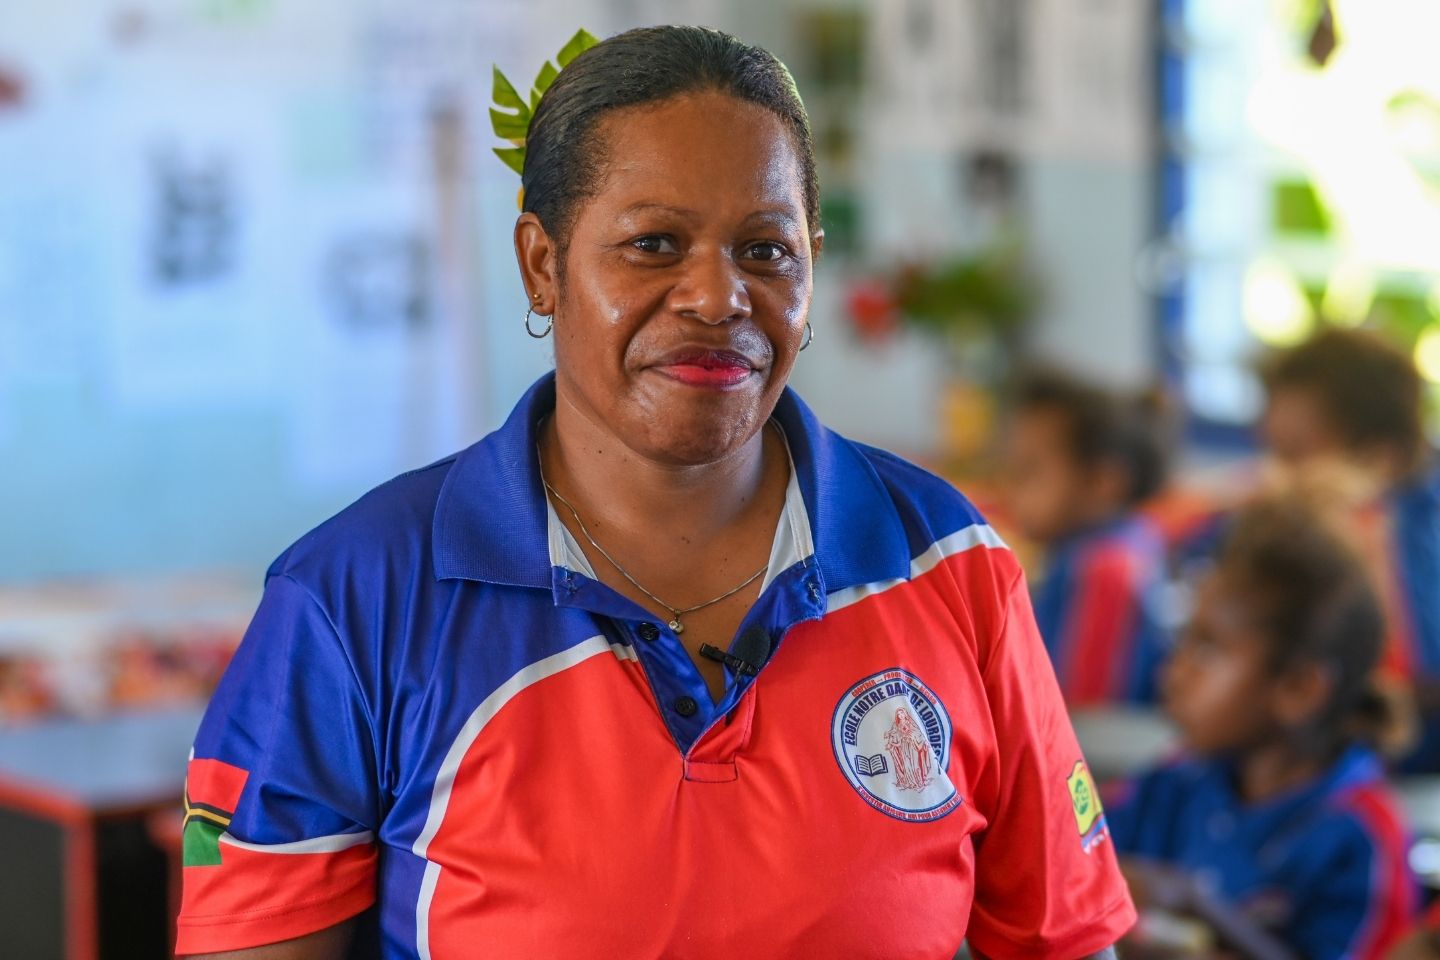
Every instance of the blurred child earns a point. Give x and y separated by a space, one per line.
1346 404
1424 942
1424 945
1077 462
1280 811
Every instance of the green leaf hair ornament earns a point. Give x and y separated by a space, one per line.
511 121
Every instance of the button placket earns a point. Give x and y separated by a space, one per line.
713 758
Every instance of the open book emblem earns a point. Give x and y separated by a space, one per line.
871 766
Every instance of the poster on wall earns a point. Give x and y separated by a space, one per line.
193 308
362 399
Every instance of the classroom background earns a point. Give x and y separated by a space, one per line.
255 259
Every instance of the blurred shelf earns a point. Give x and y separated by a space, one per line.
84 878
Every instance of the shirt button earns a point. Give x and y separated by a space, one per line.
686 706
648 632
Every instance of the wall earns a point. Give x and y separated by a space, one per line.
204 413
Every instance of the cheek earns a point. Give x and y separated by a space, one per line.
593 323
781 311
1228 699
1196 684
1218 691
1294 430
1036 501
1052 491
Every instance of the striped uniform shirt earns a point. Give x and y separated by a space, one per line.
1324 866
439 717
1098 609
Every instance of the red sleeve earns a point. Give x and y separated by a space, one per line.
1047 882
281 797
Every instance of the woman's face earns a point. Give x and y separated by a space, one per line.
686 284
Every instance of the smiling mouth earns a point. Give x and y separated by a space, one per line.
711 369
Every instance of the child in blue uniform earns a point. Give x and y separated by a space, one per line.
1280 812
1347 400
1078 462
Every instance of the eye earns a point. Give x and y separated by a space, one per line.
655 243
766 251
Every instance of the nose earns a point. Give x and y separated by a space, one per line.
711 288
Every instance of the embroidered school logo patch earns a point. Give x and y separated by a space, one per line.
891 736
1089 815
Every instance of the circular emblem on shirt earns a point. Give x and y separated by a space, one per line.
891 736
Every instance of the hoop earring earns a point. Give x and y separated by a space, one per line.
530 330
528 312
809 336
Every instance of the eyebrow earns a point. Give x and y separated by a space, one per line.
651 207
774 217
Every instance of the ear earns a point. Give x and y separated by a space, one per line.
536 254
817 243
1301 693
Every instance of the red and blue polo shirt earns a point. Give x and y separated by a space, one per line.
440 717
1324 866
1098 606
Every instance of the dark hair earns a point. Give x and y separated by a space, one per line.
1311 596
1102 426
1368 389
564 158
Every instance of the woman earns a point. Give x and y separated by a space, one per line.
617 680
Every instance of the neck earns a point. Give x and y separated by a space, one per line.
1270 770
627 495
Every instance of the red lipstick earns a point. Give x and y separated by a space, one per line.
712 369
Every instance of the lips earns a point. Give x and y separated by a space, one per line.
713 369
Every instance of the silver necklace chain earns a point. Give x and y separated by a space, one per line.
675 612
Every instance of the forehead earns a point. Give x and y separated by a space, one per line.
1041 426
706 152
1298 412
1296 399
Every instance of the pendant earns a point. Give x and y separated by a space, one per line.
676 625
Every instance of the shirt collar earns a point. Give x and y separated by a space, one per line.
792 544
492 518
1357 766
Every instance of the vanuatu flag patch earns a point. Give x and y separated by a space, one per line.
1089 815
212 790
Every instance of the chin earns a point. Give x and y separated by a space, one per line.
696 447
692 427
705 435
